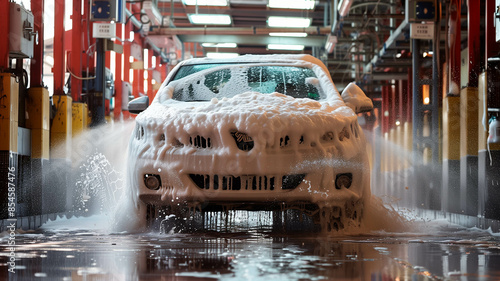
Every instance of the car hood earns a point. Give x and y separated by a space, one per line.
266 118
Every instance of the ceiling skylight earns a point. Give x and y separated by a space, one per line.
285 47
288 22
292 4
205 2
209 19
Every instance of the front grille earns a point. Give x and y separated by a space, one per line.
286 141
249 182
200 142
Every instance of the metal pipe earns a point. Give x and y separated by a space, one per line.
134 20
370 4
138 24
156 49
237 30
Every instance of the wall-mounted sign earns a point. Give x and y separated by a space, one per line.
104 30
422 31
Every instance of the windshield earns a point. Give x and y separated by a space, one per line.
230 80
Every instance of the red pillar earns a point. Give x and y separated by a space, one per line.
409 97
474 42
76 51
37 60
385 109
59 68
150 74
455 48
4 29
402 96
136 83
396 102
88 63
118 76
126 53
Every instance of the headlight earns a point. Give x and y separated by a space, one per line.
343 180
152 182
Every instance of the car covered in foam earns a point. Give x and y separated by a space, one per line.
256 132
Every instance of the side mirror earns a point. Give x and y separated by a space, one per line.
138 105
356 99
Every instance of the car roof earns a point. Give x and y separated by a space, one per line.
253 58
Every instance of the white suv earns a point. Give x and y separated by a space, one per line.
255 132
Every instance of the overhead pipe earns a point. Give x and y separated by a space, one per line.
156 49
138 24
360 5
238 30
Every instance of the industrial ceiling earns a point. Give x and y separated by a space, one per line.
370 39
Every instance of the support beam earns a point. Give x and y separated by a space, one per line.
455 47
4 29
117 111
37 60
59 68
318 41
76 51
473 40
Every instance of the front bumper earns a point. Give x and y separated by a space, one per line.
204 179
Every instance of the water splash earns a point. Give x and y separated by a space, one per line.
99 186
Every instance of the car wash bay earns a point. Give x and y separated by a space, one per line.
430 67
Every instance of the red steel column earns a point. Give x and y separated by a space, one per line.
88 63
409 97
4 29
37 60
385 109
136 83
454 45
402 98
150 74
118 76
126 53
474 42
76 51
59 56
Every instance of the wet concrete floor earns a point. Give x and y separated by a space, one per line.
78 250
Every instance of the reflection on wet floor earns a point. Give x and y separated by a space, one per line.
254 253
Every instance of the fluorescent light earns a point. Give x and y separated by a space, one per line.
288 34
219 45
285 47
292 4
209 19
222 55
288 22
205 2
